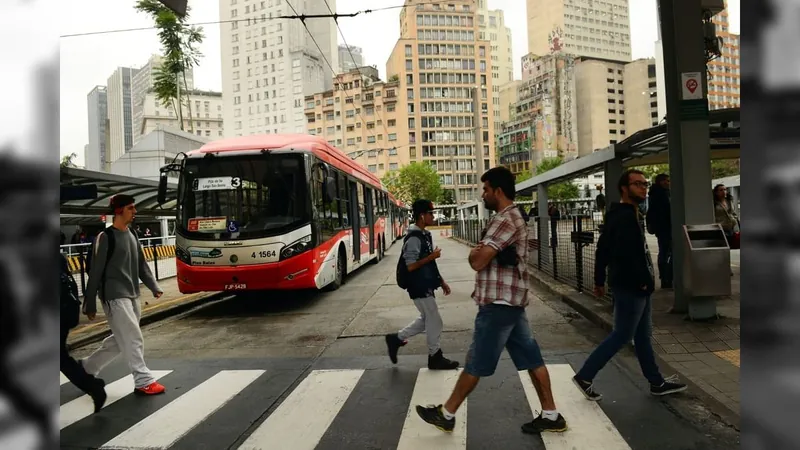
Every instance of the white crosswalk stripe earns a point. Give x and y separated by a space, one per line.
305 415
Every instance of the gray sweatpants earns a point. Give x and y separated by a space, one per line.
429 322
123 316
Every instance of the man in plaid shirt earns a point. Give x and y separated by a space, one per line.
501 292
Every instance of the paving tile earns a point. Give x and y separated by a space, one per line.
706 356
726 333
733 377
726 387
695 365
668 358
680 357
735 395
658 349
716 346
732 356
685 338
660 331
665 339
674 348
704 335
695 347
733 343
699 372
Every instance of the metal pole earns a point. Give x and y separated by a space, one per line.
687 127
455 179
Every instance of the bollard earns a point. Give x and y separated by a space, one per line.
578 226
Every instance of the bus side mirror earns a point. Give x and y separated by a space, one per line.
162 187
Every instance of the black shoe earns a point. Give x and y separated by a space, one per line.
669 386
540 425
434 416
588 389
437 361
394 343
98 395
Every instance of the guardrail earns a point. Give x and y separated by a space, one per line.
158 251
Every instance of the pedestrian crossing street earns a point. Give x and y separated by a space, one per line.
263 408
324 405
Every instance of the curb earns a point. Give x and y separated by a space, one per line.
582 303
147 319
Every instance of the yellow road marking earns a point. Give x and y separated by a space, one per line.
732 356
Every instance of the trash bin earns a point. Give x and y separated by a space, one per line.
706 269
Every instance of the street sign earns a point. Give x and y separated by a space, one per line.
691 86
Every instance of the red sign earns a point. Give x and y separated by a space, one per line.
691 85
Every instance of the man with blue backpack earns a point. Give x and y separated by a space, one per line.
419 275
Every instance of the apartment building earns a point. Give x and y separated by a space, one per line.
270 66
597 29
439 62
640 88
120 113
206 119
361 116
492 28
142 84
350 57
724 77
600 93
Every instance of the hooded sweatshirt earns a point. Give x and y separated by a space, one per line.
623 249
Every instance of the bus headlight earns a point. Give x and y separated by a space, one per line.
296 247
183 256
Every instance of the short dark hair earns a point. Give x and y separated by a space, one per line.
661 177
502 178
625 178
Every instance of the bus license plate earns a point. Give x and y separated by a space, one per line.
234 287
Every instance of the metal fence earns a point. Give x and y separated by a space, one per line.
159 252
570 256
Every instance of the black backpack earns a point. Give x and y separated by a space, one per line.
402 273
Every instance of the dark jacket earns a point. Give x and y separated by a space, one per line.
426 279
659 214
623 249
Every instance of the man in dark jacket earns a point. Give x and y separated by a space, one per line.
659 223
623 248
423 279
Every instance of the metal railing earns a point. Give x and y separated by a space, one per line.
568 257
159 253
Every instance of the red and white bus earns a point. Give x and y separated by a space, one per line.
277 212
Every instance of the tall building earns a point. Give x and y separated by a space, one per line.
270 66
586 28
361 116
143 84
509 95
438 61
206 119
493 28
724 77
120 113
544 123
599 88
641 95
350 57
95 157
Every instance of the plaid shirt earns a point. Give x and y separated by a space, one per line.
506 285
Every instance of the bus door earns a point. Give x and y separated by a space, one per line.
354 214
370 207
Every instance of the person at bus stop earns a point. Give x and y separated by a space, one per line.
115 279
424 278
501 293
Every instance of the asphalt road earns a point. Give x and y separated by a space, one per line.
310 371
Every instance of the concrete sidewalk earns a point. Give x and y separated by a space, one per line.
170 303
704 354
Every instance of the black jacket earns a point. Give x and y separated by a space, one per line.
623 249
659 214
427 278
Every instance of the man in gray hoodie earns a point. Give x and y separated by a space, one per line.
115 276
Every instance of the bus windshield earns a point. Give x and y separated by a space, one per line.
243 197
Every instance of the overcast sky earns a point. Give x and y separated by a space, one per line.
88 61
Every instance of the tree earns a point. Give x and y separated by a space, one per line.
525 175
414 181
67 160
179 43
394 78
566 190
720 168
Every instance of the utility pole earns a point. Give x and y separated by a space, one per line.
476 106
455 180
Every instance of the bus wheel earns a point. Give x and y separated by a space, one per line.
341 269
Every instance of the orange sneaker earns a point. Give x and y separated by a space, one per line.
153 388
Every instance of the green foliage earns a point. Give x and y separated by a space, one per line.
67 160
720 168
414 181
566 190
179 46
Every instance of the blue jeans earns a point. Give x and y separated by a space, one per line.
632 319
498 327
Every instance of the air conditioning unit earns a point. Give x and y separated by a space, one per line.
713 6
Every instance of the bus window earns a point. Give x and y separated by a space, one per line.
344 196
